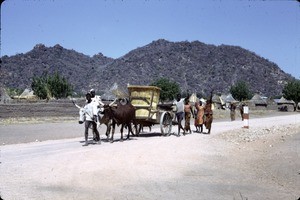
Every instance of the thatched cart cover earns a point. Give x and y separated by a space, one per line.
145 100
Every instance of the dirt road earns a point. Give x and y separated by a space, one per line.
231 163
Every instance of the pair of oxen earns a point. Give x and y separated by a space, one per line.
120 112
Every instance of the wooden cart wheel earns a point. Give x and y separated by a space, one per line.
166 123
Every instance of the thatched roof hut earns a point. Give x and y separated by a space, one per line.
218 101
230 99
257 100
26 94
285 105
193 98
283 100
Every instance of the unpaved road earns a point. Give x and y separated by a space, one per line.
262 162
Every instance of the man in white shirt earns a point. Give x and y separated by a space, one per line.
97 101
179 103
91 112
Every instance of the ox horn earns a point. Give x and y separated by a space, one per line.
76 104
112 102
101 103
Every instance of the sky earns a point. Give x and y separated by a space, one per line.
269 28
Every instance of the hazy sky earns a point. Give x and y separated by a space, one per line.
271 29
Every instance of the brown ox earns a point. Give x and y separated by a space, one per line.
123 114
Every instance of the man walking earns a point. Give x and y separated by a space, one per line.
179 103
90 119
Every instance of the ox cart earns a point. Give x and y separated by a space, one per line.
148 112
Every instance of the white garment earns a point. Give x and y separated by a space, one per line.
90 111
179 105
97 101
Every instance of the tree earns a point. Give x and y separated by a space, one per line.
291 91
39 87
46 87
169 89
240 91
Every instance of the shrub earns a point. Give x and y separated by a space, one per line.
55 86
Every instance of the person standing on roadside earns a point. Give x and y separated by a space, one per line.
241 107
179 103
90 119
232 111
199 119
208 114
188 112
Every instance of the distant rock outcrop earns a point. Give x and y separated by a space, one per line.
195 66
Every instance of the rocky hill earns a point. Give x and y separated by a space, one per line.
196 66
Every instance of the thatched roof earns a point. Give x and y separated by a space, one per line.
193 98
26 94
217 99
283 100
229 99
258 100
